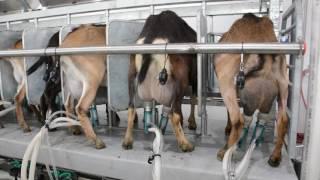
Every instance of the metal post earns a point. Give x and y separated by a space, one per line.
274 15
8 25
204 7
36 22
295 77
68 19
110 113
311 156
201 76
152 10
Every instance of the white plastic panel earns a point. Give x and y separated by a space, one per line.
8 85
120 33
36 39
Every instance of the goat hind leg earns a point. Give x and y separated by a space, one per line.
175 119
37 112
192 120
236 119
128 139
69 105
19 112
282 126
82 108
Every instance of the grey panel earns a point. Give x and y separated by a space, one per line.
11 5
120 33
33 39
8 85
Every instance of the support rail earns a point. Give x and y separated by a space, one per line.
183 48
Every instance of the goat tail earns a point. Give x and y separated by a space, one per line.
36 65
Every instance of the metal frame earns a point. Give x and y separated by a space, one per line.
102 12
295 30
311 158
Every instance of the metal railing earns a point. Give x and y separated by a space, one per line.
183 48
102 12
293 33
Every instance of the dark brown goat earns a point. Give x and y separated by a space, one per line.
166 27
266 79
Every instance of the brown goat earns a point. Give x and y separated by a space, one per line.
266 78
19 75
166 27
83 74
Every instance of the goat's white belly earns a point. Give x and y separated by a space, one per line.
73 79
18 69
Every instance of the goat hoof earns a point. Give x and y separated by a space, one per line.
274 162
75 130
26 129
220 154
127 145
135 121
186 147
99 144
192 124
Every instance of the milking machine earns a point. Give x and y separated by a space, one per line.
231 170
164 119
32 150
151 125
151 115
94 115
155 158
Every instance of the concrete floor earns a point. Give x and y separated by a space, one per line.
76 152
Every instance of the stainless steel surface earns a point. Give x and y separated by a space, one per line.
288 30
311 158
201 76
59 3
96 12
288 12
183 48
274 15
82 8
295 77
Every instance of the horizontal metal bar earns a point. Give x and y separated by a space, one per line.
98 6
95 7
288 30
288 12
182 48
